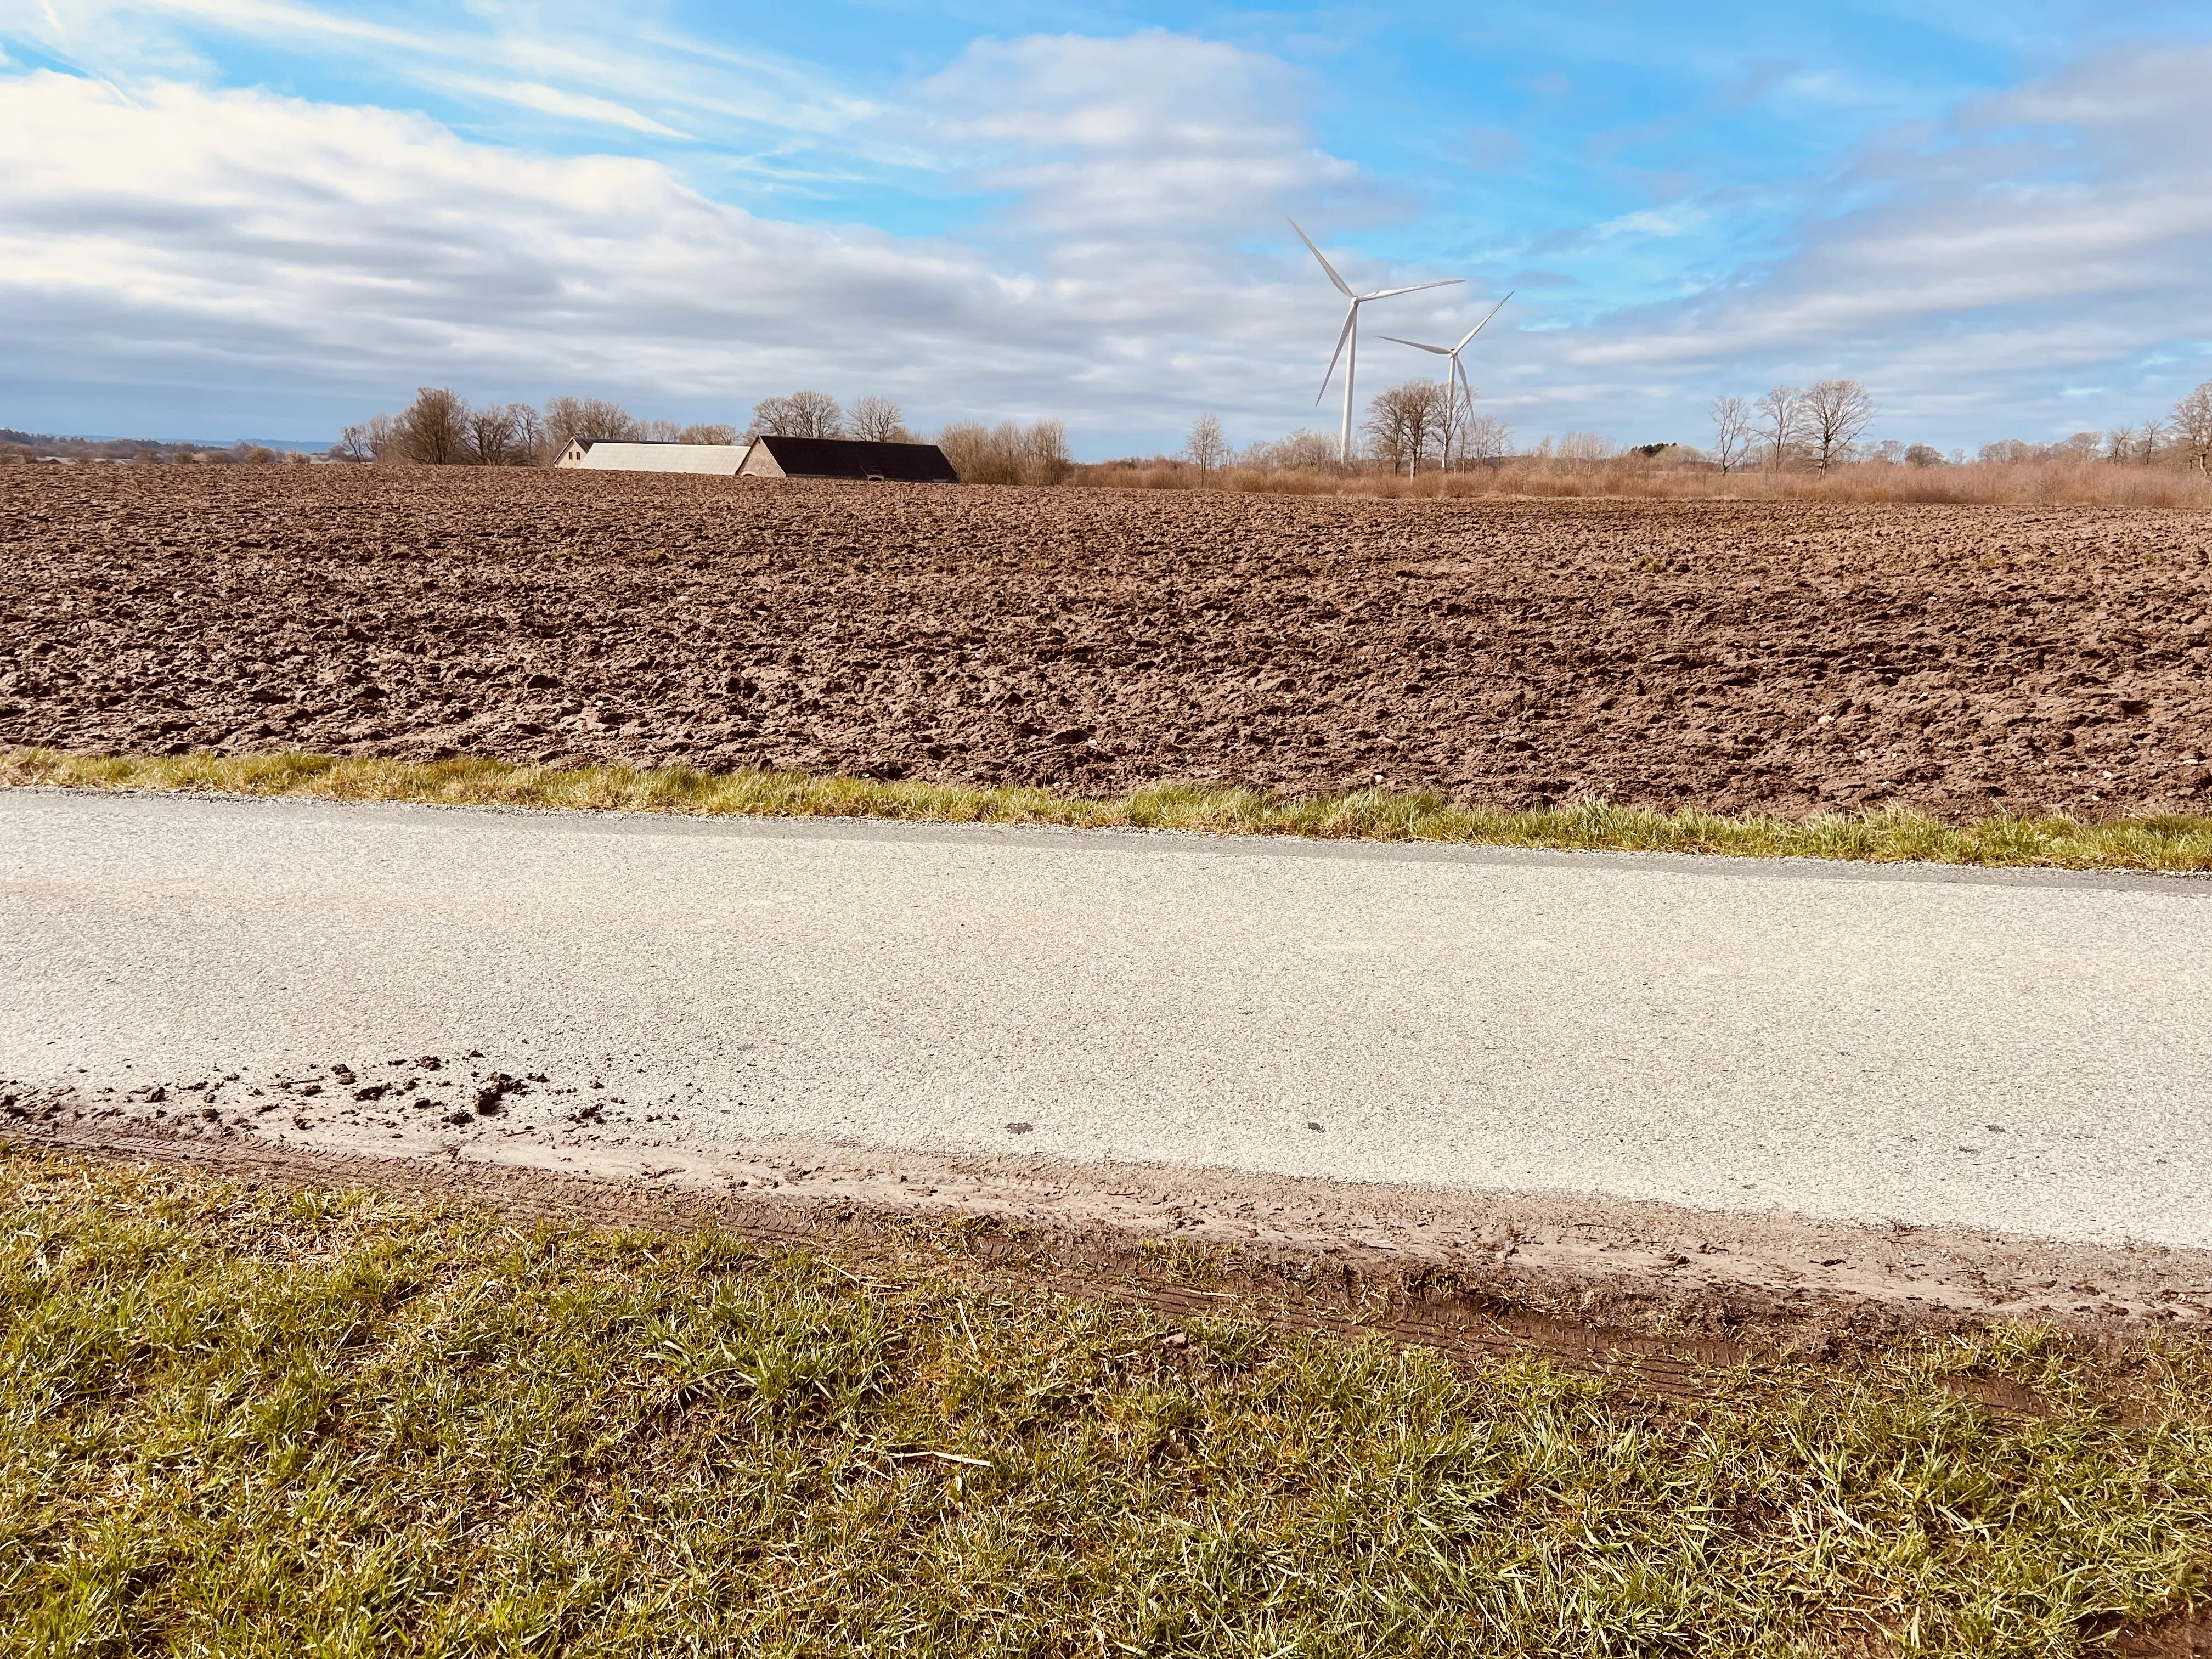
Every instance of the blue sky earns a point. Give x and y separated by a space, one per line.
272 216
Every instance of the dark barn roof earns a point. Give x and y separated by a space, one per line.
848 457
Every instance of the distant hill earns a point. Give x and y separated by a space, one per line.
17 445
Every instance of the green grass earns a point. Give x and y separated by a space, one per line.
2167 843
254 1422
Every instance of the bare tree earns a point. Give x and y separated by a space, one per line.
1406 423
433 429
2149 439
1304 447
376 438
714 432
1207 447
1045 459
2192 427
1923 455
1780 421
529 435
1837 415
568 419
1584 446
1485 438
877 421
1731 432
802 415
1007 454
499 437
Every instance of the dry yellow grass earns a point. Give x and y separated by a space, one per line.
2019 484
2167 843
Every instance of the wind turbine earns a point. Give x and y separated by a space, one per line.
1455 371
1351 332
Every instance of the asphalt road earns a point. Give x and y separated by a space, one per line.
2022 1051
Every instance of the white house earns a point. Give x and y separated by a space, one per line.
623 455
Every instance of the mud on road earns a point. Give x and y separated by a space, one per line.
1777 656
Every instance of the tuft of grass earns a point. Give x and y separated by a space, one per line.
247 1421
1894 834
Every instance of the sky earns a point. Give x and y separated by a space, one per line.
274 217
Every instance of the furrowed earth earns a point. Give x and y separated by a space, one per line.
1736 656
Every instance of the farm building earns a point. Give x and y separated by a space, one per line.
625 455
846 458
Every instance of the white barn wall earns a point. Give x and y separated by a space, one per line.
606 455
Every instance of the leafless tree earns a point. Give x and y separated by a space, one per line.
1406 423
1207 447
1584 446
1485 438
714 432
1837 415
529 434
1007 454
1045 458
433 429
877 421
659 432
376 438
568 419
2191 423
1731 432
503 435
1304 447
1890 451
1779 418
1923 455
802 415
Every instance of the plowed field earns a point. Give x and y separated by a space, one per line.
1732 655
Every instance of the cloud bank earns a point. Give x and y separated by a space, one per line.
180 257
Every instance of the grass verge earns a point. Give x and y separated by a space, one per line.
251 1422
2167 843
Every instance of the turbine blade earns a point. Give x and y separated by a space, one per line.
1350 317
1484 324
1440 351
1342 287
1391 293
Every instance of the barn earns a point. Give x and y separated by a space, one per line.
629 455
846 458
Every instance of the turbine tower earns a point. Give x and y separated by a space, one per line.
1351 332
1455 371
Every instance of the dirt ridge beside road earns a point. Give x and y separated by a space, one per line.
1781 657
1613 1281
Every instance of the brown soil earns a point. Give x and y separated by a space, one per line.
1735 656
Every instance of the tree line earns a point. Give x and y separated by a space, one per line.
1825 424
442 429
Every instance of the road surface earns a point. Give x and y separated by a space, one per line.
2020 1052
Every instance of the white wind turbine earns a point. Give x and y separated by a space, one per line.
1351 332
1455 371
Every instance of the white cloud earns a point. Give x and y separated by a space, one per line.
165 247
1143 140
187 241
2055 232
